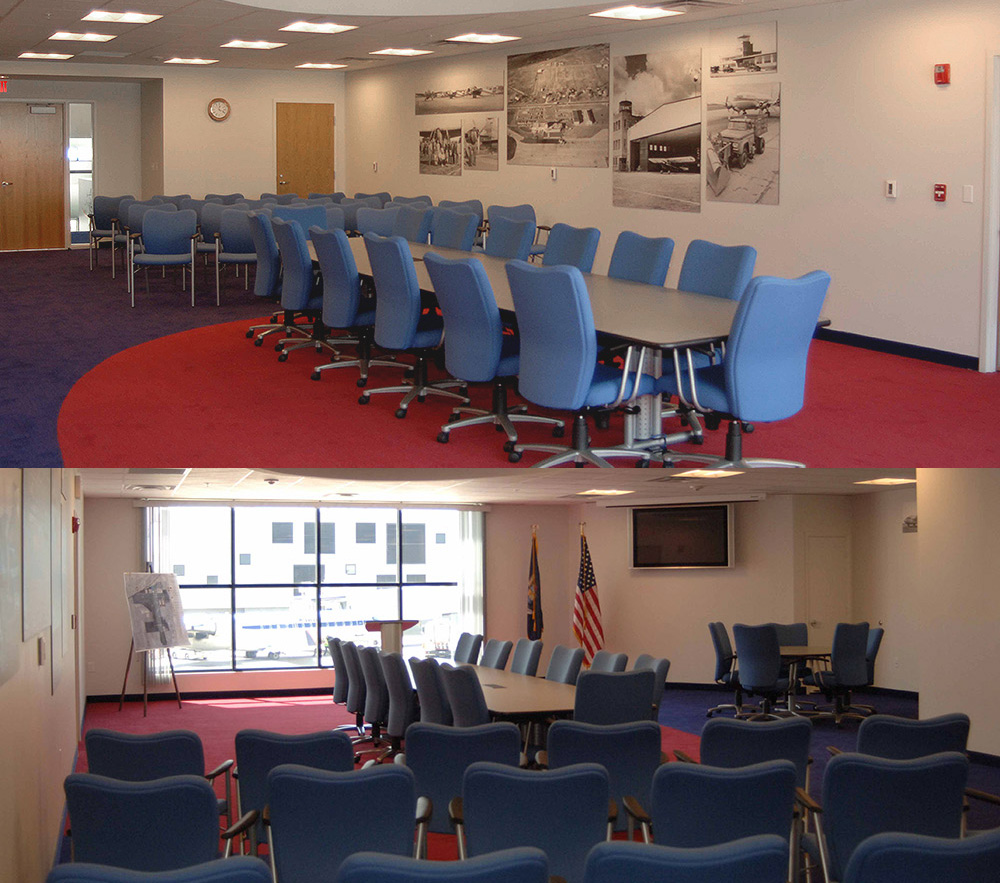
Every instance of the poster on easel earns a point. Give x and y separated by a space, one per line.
156 612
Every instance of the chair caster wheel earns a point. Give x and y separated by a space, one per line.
602 420
443 437
514 456
421 398
249 334
498 427
400 413
315 375
278 347
283 357
362 381
508 446
558 431
258 342
363 400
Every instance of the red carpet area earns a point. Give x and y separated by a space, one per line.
208 397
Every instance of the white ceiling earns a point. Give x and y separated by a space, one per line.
465 486
198 28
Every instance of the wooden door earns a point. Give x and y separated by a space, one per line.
304 148
828 586
32 178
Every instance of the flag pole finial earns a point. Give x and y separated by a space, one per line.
583 524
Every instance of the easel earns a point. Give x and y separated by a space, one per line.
145 685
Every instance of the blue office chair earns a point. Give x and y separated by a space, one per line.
345 305
564 664
641 258
613 697
267 279
429 681
224 198
848 670
465 696
510 239
413 223
402 700
915 858
467 649
605 660
558 367
762 375
301 294
376 712
454 229
718 270
357 689
326 217
234 245
238 869
725 671
573 246
519 865
379 221
350 209
496 653
414 200
759 654
468 206
169 239
334 197
660 667
871 654
476 349
400 324
103 224
763 859
339 670
522 212
383 196
527 654
439 755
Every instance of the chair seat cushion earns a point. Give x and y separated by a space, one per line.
364 318
606 382
94 234
510 360
206 248
710 385
230 257
429 331
159 260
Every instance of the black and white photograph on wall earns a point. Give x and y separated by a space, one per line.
744 143
463 98
557 107
481 143
656 131
155 611
441 150
738 51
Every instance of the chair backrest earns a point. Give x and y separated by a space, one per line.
224 198
556 327
521 865
564 812
413 200
469 206
305 215
697 805
376 689
759 654
377 220
336 196
847 659
605 697
575 246
864 795
341 281
237 869
564 664
605 660
124 824
871 652
350 209
509 238
210 217
397 305
105 210
454 229
402 698
763 859
383 196
527 653
885 735
439 756
913 858
134 757
522 212
724 655
357 691
660 668
318 818
718 270
735 743
413 223
467 649
234 232
197 205
297 280
641 258
434 707
630 752
496 652
168 232
765 363
268 276
138 210
286 198
792 634
465 696
473 330
337 655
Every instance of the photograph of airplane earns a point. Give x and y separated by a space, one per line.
468 99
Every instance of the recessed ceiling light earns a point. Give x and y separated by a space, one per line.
637 13
888 481
82 38
48 56
407 52
251 44
318 27
131 18
599 492
706 473
482 38
191 61
325 66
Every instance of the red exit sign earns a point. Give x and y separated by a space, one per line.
3 85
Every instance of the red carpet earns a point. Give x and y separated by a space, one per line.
208 397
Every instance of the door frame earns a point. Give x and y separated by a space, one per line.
989 316
274 136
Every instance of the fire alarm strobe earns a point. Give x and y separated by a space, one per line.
942 74
940 192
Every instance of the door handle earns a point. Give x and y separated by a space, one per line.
6 183
814 622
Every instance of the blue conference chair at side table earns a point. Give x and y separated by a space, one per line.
300 291
759 657
400 324
558 361
476 349
523 864
572 246
237 869
848 671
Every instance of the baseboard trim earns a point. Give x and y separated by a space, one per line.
170 696
895 348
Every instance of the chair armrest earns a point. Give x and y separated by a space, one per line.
221 768
834 751
664 757
542 759
425 808
400 758
555 878
545 227
244 824
265 816
982 795
635 810
455 810
683 757
612 811
806 802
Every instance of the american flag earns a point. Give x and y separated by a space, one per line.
587 607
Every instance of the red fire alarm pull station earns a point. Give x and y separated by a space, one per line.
940 192
942 74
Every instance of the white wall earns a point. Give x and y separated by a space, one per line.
858 105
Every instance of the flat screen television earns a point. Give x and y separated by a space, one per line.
681 536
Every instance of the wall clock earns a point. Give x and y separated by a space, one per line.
218 109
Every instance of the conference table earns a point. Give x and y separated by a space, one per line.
511 695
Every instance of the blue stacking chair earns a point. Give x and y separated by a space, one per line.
660 668
301 294
762 376
400 324
121 234
327 217
350 209
454 229
103 224
413 223
238 869
379 221
915 858
476 349
527 654
563 812
224 198
613 697
429 681
520 865
169 239
558 367
496 653
510 239
885 735
383 196
335 197
641 258
209 219
413 200
234 245
572 246
762 859
267 279
344 306
605 660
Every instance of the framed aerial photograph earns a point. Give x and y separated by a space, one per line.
155 610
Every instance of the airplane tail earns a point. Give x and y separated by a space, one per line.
716 172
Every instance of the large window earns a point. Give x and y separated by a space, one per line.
266 586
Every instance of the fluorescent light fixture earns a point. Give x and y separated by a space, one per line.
251 44
82 38
637 13
322 66
888 481
405 52
318 27
482 38
706 473
128 18
47 56
603 492
191 61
